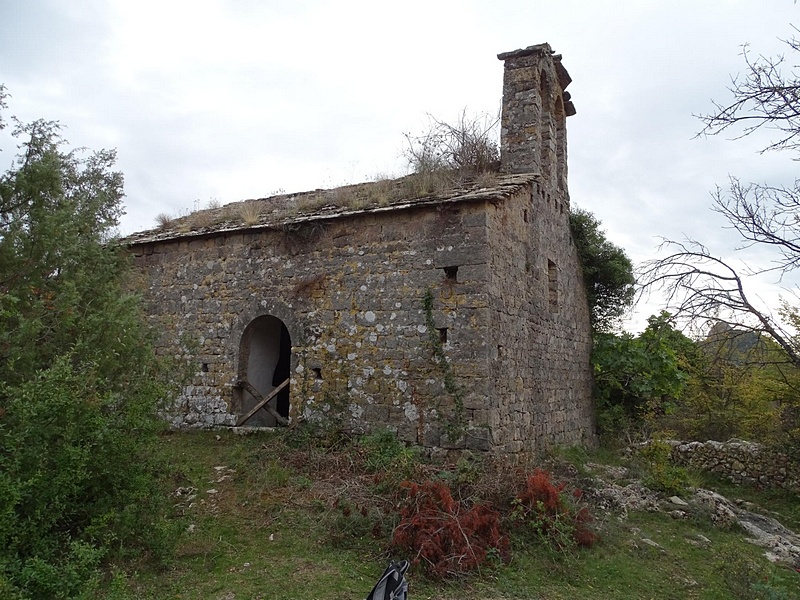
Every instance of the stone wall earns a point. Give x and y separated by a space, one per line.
350 293
540 319
740 462
540 332
508 309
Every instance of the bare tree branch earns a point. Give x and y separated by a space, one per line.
701 287
765 215
764 97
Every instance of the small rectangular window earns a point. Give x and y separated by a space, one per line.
451 274
443 334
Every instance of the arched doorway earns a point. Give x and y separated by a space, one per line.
265 358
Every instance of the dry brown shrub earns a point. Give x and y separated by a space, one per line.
467 147
447 537
163 220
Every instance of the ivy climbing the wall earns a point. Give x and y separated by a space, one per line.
455 426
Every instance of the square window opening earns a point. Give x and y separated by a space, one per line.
451 274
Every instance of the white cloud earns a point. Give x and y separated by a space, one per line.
231 99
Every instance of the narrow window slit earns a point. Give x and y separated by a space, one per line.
442 334
552 283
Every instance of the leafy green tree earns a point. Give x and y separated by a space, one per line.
607 271
742 388
637 377
79 382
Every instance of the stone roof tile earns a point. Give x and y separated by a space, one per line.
317 205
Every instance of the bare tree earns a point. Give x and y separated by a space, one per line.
701 287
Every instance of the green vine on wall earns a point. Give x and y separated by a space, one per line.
454 428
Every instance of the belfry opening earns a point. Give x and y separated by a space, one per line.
265 358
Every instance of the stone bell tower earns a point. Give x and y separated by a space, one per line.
533 135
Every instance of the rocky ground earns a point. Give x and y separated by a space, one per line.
612 489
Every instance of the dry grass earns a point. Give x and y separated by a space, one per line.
203 219
446 158
200 219
383 190
250 212
487 179
315 201
428 183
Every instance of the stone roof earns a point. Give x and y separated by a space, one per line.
286 210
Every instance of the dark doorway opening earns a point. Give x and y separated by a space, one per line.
265 359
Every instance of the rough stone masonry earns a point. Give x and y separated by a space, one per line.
458 319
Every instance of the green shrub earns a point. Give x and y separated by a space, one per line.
80 483
383 452
79 381
638 378
661 474
607 271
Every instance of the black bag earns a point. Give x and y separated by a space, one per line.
393 584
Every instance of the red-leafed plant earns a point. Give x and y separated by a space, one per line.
444 536
545 511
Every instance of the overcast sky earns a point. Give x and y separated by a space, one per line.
227 100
